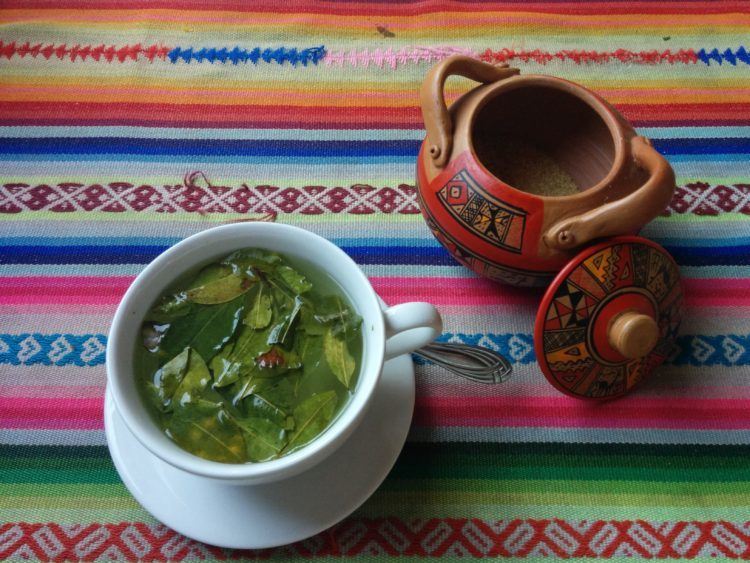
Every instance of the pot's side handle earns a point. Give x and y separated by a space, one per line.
437 120
626 215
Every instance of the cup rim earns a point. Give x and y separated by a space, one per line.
313 452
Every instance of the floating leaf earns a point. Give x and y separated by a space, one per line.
152 334
334 312
169 377
211 436
293 279
224 370
195 381
250 344
263 439
250 259
277 361
220 290
308 321
339 359
244 387
261 406
260 313
311 417
281 392
206 330
209 274
280 331
169 308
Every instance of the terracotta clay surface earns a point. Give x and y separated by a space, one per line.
505 233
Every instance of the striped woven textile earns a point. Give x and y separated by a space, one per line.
127 125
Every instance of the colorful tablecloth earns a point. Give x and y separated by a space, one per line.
127 125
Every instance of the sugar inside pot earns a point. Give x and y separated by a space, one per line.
542 141
523 171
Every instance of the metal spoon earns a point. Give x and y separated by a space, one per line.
471 362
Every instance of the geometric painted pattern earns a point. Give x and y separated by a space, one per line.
89 349
697 198
491 219
364 537
576 353
492 270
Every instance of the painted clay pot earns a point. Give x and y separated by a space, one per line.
510 235
612 312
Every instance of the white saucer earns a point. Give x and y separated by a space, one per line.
269 515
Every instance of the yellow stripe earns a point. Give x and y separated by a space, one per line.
119 90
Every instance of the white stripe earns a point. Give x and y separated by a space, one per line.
221 174
578 435
30 131
25 437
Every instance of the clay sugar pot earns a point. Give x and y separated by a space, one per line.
535 180
508 234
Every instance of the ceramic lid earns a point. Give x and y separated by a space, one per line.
609 318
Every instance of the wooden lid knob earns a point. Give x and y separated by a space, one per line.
634 335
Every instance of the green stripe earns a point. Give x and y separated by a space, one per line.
576 490
620 468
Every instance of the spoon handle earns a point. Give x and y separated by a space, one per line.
471 362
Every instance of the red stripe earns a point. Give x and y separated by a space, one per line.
316 117
632 411
395 8
20 412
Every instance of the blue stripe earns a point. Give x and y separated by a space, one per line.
204 147
408 254
702 146
193 159
688 241
89 349
279 55
143 254
294 148
418 254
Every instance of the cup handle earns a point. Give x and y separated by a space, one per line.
409 326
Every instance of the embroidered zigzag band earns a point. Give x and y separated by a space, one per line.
697 198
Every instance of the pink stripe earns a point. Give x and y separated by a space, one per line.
699 292
628 412
539 388
70 413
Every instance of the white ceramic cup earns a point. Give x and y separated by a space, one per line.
386 334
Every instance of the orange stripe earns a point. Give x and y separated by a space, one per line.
350 98
426 23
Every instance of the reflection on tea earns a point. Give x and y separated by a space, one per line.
249 359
